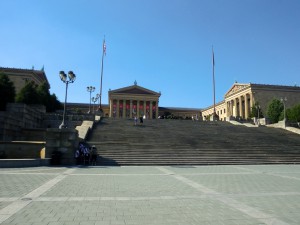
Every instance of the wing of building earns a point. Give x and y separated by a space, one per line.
19 77
240 98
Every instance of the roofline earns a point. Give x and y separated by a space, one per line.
132 86
41 72
217 104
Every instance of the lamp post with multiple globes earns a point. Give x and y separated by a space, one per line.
283 100
90 89
94 100
66 79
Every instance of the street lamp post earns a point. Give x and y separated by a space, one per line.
258 108
95 99
90 89
66 79
283 100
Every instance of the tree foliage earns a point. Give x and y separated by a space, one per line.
53 104
293 114
255 110
274 110
7 91
28 94
33 94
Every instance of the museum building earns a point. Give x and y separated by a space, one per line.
240 98
20 77
132 101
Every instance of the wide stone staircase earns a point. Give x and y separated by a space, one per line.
184 142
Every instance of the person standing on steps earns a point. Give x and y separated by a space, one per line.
94 155
141 119
135 120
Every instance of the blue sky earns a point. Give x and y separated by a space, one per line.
165 45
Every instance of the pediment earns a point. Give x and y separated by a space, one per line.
135 89
236 88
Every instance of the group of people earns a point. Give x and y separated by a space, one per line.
141 119
86 155
195 118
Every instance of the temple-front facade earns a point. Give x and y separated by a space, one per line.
132 101
240 98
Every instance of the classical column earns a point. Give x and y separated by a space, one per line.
145 108
156 108
230 108
130 116
110 107
235 107
240 106
138 108
124 108
150 110
227 108
246 106
118 108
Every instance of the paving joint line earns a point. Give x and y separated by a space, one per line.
250 211
269 173
19 204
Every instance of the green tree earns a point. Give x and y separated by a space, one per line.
293 114
50 101
53 104
7 91
274 110
254 111
33 94
43 93
29 94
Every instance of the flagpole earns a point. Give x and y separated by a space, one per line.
103 52
214 89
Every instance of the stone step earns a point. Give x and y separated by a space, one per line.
185 142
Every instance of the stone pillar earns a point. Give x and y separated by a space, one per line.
240 107
124 108
145 113
118 109
156 108
232 107
246 106
235 110
229 112
110 107
130 116
227 108
150 110
138 108
61 145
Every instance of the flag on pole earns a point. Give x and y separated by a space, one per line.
104 47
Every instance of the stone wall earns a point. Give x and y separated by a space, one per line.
264 97
53 120
61 145
17 117
21 149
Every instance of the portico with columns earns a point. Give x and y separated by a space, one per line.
132 101
241 98
238 101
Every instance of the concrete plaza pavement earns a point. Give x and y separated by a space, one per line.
156 195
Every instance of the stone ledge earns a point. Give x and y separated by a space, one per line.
84 128
12 163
